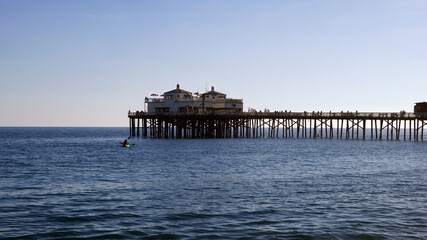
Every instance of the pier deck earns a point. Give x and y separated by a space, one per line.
347 125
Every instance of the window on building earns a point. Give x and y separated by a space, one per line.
162 110
168 97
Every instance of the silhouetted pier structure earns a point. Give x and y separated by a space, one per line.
346 125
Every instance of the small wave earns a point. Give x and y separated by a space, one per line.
108 236
263 222
258 212
71 219
166 236
90 218
189 216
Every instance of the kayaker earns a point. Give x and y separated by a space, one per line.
126 143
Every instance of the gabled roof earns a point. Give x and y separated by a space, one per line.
178 90
213 92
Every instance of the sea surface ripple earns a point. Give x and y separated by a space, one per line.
78 183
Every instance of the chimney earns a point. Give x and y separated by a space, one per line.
212 89
177 86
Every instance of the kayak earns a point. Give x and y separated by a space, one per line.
127 145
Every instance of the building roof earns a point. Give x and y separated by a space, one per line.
178 90
213 92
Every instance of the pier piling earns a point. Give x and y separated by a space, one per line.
279 124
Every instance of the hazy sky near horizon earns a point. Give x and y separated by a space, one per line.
86 63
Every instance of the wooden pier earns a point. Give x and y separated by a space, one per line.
343 125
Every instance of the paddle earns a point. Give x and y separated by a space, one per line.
128 142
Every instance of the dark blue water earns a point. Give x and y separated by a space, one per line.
73 183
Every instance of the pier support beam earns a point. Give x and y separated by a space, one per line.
274 125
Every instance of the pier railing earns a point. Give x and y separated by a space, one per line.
289 114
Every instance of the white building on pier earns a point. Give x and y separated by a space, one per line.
179 101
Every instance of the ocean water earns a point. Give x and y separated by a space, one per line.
78 183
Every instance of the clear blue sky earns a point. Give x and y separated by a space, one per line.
86 63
